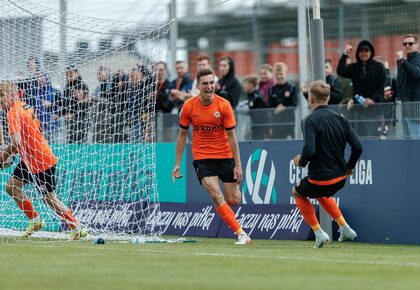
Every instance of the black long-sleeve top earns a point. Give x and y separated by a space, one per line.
285 94
368 79
408 78
326 134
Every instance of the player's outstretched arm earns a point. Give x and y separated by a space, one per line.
11 149
180 146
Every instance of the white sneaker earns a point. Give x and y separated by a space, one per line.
243 239
346 234
321 239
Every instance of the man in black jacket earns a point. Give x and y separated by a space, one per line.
368 78
408 83
326 135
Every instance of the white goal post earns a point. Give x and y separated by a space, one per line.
94 101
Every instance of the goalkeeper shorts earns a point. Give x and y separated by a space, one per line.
45 180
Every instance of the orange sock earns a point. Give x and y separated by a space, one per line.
69 218
28 209
308 212
228 216
330 206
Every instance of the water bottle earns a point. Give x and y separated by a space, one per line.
360 99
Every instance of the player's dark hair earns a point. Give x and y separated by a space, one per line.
204 72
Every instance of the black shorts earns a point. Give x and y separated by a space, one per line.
311 190
45 180
223 168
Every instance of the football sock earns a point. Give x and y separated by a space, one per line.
68 217
308 212
28 209
332 209
228 216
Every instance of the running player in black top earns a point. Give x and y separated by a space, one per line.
326 134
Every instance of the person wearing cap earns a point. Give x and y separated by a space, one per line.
368 78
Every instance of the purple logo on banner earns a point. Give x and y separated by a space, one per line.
278 222
186 219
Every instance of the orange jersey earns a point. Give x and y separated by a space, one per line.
33 148
209 123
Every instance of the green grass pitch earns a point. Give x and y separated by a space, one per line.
208 264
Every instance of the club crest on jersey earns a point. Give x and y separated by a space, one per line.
217 114
287 94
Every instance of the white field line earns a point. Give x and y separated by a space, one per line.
244 255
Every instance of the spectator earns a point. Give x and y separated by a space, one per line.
265 72
282 95
30 86
390 94
336 95
346 86
74 106
255 101
102 97
408 80
368 78
137 95
228 86
78 108
163 104
119 108
179 86
334 82
46 107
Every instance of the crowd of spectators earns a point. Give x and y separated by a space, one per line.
120 108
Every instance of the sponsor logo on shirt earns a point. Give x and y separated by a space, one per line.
208 128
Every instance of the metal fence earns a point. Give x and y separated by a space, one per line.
380 121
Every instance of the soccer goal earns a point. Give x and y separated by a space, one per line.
89 85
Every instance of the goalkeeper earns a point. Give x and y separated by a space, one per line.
37 163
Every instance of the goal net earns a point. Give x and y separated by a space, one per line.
89 87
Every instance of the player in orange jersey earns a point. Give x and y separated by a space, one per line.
37 162
215 148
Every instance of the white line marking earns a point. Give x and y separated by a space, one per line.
244 255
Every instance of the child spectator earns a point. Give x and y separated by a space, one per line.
255 101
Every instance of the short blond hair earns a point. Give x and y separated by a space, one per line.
320 90
7 88
251 79
280 67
